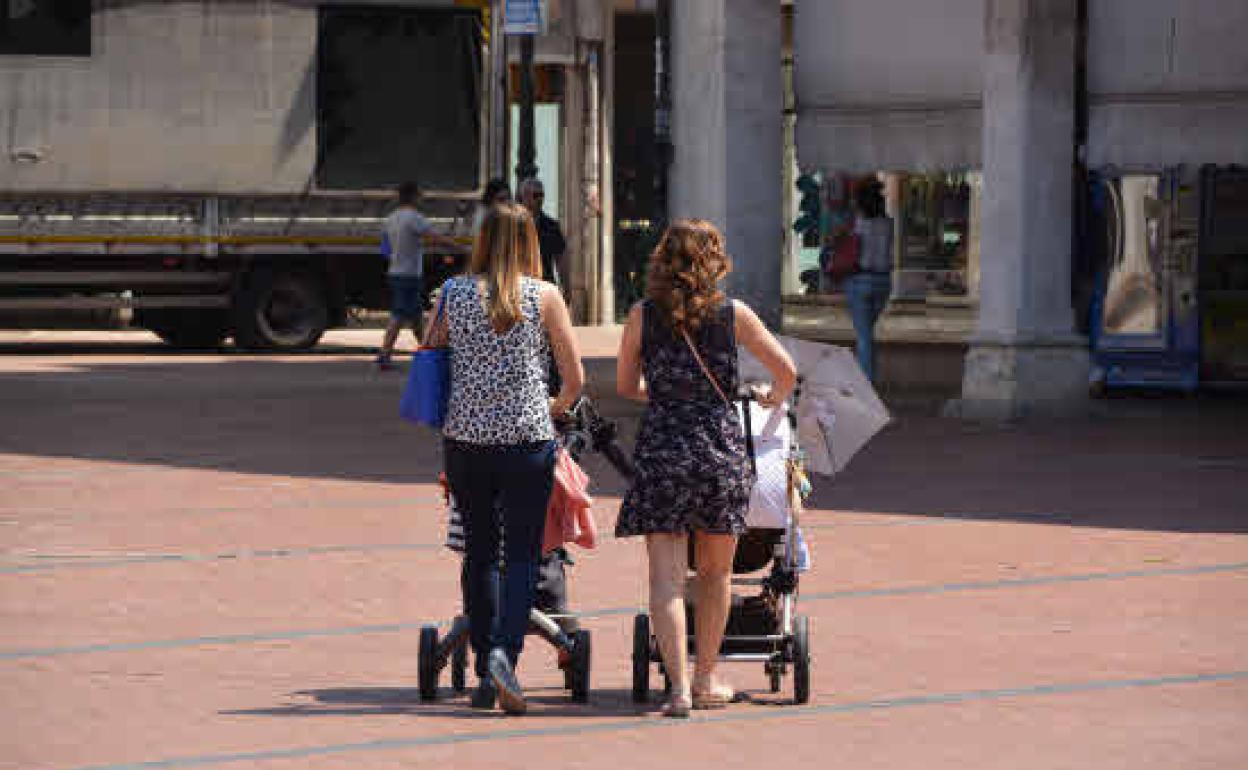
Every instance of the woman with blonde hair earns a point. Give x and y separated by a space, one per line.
678 354
501 322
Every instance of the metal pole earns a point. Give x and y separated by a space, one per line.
662 109
606 87
526 162
498 92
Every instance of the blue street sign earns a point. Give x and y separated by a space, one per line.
524 17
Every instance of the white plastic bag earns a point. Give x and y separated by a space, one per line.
773 437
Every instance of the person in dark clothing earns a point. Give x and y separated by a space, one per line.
553 247
692 477
549 235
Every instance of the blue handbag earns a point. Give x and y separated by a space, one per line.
428 387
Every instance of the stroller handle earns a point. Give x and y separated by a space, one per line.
584 428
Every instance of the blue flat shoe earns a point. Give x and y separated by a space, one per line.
510 694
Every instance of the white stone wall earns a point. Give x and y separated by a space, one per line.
1168 82
209 96
897 84
888 84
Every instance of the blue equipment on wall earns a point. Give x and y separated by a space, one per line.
1145 324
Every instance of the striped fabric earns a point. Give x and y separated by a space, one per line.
454 526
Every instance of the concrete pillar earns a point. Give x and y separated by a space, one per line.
726 136
1024 356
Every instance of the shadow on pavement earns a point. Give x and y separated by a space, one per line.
1174 465
369 701
156 348
1153 464
312 415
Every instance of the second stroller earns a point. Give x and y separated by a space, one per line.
551 619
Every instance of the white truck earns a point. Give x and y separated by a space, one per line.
222 169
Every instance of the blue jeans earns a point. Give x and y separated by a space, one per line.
868 295
519 478
407 297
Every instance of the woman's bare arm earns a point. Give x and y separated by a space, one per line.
763 345
563 343
628 378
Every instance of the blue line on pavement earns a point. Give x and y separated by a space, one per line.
640 723
166 558
45 652
1023 582
165 644
19 514
926 520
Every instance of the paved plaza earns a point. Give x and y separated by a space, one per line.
224 560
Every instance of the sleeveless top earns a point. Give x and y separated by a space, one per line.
672 373
498 381
692 471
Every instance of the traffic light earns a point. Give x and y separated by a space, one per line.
809 210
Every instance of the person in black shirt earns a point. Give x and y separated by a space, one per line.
549 235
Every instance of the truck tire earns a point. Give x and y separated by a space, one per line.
187 329
280 310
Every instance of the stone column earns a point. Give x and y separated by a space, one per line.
726 135
1024 357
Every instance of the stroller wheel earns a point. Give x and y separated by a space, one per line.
641 658
578 667
801 659
775 677
566 665
459 666
427 663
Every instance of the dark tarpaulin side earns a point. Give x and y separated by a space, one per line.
398 98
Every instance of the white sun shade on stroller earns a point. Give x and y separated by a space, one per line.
771 436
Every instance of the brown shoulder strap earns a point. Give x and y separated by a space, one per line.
437 335
705 370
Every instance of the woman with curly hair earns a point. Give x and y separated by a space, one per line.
678 355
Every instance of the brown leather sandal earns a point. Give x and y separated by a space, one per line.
677 707
715 698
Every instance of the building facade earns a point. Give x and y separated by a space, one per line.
1059 171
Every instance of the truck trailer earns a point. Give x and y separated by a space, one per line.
222 169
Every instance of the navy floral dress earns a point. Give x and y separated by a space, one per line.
692 468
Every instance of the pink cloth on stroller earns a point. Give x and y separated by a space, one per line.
568 517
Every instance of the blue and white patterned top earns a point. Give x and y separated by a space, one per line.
498 381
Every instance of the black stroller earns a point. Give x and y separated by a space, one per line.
765 627
585 429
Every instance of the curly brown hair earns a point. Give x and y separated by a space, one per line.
684 274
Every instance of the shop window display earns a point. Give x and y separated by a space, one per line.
937 237
935 233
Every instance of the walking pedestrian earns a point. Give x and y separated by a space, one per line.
496 191
869 288
549 235
693 479
499 435
405 232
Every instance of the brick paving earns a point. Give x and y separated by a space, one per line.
224 560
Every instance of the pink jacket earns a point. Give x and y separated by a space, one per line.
568 516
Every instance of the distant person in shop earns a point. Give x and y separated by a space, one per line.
869 288
404 234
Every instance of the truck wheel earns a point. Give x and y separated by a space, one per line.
187 329
280 311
